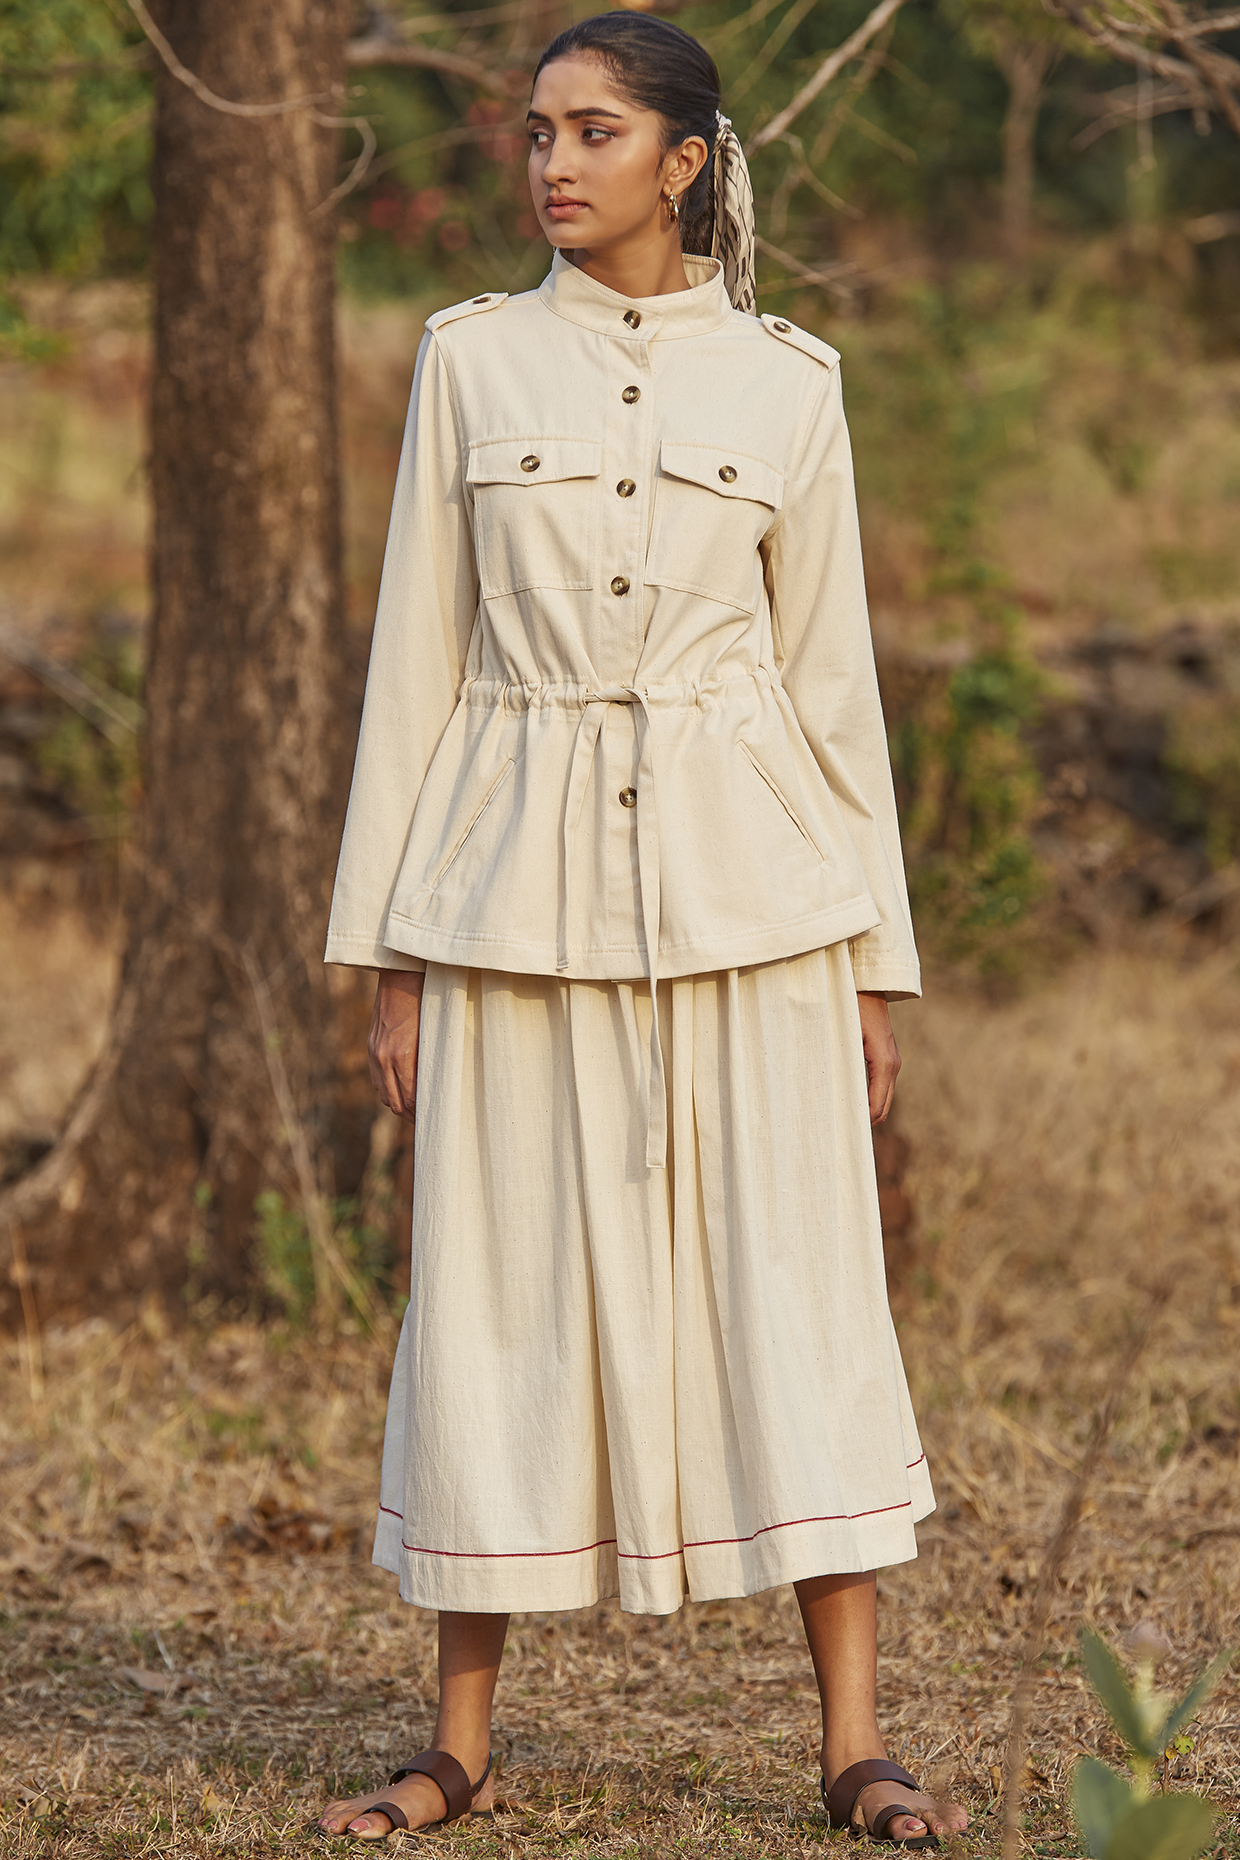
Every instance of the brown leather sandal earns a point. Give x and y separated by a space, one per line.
450 1778
840 1802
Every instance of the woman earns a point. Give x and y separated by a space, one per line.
622 844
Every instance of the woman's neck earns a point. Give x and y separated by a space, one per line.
653 268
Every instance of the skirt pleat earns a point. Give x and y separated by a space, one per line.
647 1383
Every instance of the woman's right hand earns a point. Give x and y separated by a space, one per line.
393 1044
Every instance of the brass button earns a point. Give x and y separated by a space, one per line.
781 326
728 473
625 488
482 300
620 584
530 462
633 318
628 797
631 394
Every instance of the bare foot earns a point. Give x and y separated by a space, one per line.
420 1800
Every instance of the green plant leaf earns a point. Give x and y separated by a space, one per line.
1167 1827
1100 1800
1185 1710
1110 1682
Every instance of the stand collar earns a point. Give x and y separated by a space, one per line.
579 298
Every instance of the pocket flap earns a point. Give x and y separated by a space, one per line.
731 474
533 461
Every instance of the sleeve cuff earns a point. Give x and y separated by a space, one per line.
874 974
363 952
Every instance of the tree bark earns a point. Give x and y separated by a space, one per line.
153 1185
1025 64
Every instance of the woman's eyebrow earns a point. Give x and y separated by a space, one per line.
573 115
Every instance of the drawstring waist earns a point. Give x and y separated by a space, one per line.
592 700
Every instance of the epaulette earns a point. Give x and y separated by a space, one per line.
472 305
801 339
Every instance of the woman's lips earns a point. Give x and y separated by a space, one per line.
565 209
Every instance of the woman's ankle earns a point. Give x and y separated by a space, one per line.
468 1739
850 1744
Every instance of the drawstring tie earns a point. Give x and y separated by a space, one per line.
584 746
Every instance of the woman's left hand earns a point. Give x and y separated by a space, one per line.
882 1055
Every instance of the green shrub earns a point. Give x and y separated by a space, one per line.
1203 759
968 788
1120 1820
285 1253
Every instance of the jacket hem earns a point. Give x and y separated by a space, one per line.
493 950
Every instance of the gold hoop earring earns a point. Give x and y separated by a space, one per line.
673 206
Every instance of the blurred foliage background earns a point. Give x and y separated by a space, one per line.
1040 318
911 133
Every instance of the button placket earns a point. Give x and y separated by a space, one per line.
623 489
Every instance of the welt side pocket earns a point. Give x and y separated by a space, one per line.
460 844
783 800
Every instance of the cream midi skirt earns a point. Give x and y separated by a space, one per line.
615 1380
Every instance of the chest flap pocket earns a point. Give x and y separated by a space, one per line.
535 502
712 507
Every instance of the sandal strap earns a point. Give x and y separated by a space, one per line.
450 1778
841 1797
394 1813
889 1814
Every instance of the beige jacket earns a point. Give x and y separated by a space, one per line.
622 717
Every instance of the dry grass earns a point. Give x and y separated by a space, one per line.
194 1508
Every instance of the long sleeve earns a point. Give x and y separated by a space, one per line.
428 600
823 648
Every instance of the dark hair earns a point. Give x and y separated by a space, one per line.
659 67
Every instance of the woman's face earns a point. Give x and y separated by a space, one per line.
598 172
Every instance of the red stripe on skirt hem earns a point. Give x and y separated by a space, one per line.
837 1517
502 1556
658 1556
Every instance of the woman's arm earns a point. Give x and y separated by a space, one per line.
816 586
428 600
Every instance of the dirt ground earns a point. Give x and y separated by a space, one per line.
195 1650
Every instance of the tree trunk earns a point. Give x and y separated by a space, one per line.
153 1185
1025 64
